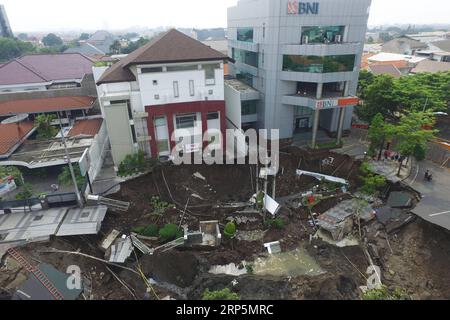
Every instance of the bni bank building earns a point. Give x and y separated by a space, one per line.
295 65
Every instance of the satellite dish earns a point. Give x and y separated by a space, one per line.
17 118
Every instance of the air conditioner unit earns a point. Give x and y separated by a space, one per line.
305 40
338 38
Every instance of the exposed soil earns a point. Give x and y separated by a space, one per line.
418 262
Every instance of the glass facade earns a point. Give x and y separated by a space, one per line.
246 57
325 34
317 64
245 34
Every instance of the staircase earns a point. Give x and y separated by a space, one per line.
41 277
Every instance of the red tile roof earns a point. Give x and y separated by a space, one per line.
12 134
38 68
86 128
170 47
45 105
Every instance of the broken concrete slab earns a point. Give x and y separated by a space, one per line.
273 247
109 239
400 199
392 218
121 250
81 221
320 176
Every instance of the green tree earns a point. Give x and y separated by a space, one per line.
44 128
65 178
379 97
26 193
13 48
135 45
372 182
52 40
224 294
84 36
413 135
116 47
379 132
366 78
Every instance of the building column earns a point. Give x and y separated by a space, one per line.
204 127
319 91
152 132
170 129
340 125
346 88
315 128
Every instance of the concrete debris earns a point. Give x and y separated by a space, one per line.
242 219
265 172
273 247
400 200
346 242
338 221
392 218
199 176
109 239
271 205
121 250
211 233
319 176
142 247
82 221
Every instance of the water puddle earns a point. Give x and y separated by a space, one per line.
288 264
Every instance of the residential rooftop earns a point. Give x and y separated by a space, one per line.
169 47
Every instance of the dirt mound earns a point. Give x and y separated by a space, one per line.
178 268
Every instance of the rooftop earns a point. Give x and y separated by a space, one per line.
86 128
431 66
40 105
385 56
170 47
42 68
12 134
390 69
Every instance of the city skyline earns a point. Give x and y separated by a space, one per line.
63 16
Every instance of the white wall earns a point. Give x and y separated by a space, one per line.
165 89
233 107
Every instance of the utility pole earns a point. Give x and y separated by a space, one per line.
72 172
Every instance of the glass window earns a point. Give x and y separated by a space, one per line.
191 88
160 122
317 64
176 91
210 73
133 133
246 57
213 115
248 107
186 121
245 77
152 70
326 34
182 68
163 145
245 34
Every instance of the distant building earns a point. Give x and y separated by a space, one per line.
431 67
403 45
98 44
172 83
5 28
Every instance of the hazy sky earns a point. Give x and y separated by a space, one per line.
43 15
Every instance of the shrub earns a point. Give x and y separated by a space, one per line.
14 172
277 223
384 293
230 229
65 178
43 127
249 268
170 232
133 164
148 231
371 181
260 201
26 193
224 294
159 206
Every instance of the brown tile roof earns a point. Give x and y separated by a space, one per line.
170 47
43 105
88 127
38 68
12 134
385 69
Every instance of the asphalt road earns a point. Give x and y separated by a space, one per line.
435 205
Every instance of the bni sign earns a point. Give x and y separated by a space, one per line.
302 8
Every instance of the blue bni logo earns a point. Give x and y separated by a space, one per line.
303 8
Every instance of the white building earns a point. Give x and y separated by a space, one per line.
172 83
